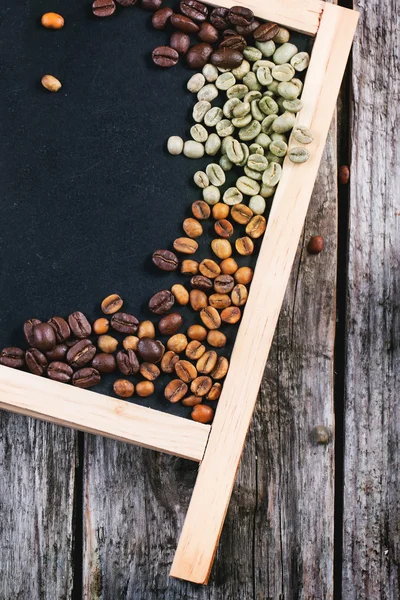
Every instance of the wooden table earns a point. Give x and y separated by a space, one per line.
85 517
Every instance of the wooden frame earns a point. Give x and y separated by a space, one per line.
219 447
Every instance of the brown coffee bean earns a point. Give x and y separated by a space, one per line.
219 301
185 371
52 20
256 227
127 362
180 294
61 328
165 260
151 4
58 353
198 300
208 33
192 228
29 326
104 363
177 343
44 337
198 55
244 275
201 210
210 317
170 324
248 30
197 332
180 42
201 385
35 361
161 302
223 228
223 284
227 58
194 10
235 42
220 211
149 371
81 353
124 323
244 246
161 17
189 267
344 175
229 266
103 8
107 343
219 18
239 295
231 315
192 400
215 392
101 326
221 368
59 371
165 57
131 342
239 15
150 350
51 83
195 350
86 378
126 2
202 414
79 325
146 329
175 390
241 214
71 342
222 248
112 304
207 362
316 244
199 282
123 388
169 361
216 338
185 245
266 32
209 268
184 24
145 389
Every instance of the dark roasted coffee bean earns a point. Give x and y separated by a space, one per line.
239 15
175 390
127 362
71 342
44 337
194 10
151 4
161 17
161 302
79 325
29 326
226 58
35 361
223 284
247 30
12 357
124 323
58 353
103 8
266 32
170 324
184 24
150 350
60 371
126 2
180 42
235 42
198 56
81 354
104 363
200 282
165 260
219 18
208 33
86 378
165 57
229 32
61 328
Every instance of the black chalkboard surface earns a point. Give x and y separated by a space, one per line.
88 190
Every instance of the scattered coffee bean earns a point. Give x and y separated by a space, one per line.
149 371
241 214
165 57
244 275
29 326
180 42
107 343
101 326
208 33
234 42
197 332
127 362
198 300
59 371
35 361
194 10
202 413
112 304
103 8
198 55
222 248
219 18
223 228
227 58
175 390
228 266
146 329
219 301
184 24
207 362
244 246
123 388
150 350
209 268
239 295
200 282
161 302
185 371
51 83
52 20
79 325
192 400
161 17
124 323
195 350
145 389
201 209
247 30
215 392
61 328
192 228
81 353
104 363
185 245
216 338
180 294
210 317
201 385
316 244
175 145
256 226
220 211
169 361
58 353
131 343
221 368
170 324
151 4
231 315
189 267
266 32
223 284
177 343
344 175
44 337
86 378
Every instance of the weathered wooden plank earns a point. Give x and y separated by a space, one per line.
371 549
37 478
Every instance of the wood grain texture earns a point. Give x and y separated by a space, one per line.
37 477
371 560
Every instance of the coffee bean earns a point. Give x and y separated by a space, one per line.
185 371
103 8
209 268
266 32
231 315
165 260
192 228
101 326
177 343
229 32
146 329
222 248
223 284
170 324
208 33
201 210
86 378
210 317
61 328
185 245
123 388
104 363
81 353
184 23
220 211
316 244
195 350
198 55
235 42
145 389
189 267
216 338
200 282
202 414
161 302
228 266
219 301
12 357
161 17
79 325
239 295
58 353
127 362
175 390
124 323
29 326
44 337
239 15
107 343
192 400
150 350
247 30
52 20
223 228
51 83
215 392
126 2
112 304
221 368
59 371
244 275
71 342
35 361
201 385
256 226
180 42
207 362
169 361
198 300
219 18
241 213
194 10
149 371
151 4
244 246
197 332
344 175
180 294
165 57
227 58
131 342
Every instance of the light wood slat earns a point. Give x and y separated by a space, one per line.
95 413
217 473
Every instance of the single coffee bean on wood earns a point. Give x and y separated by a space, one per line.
161 17
124 323
123 388
61 328
86 378
44 337
79 325
81 353
58 353
344 175
180 42
184 24
165 260
151 4
104 363
316 244
35 361
202 413
208 33
112 304
59 371
198 55
169 361
170 324
12 357
175 390
150 350
127 362
194 10
165 57
29 326
103 8
219 18
227 58
161 302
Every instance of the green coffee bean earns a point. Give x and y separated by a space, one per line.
200 109
299 155
242 121
201 180
264 140
284 53
225 143
255 175
215 174
294 106
246 154
241 110
282 36
195 83
280 102
213 144
263 63
209 92
272 174
272 158
232 196
256 112
241 70
267 191
303 134
278 137
273 87
225 163
250 131
288 90
252 54
300 61
268 106
264 75
225 128
283 72
193 149
257 162
234 151
278 148
229 106
257 205
284 122
298 83
269 94
237 91
199 133
252 82
247 186
266 125
175 145
222 70
251 96
210 72
213 116
211 195
266 48
256 149
225 81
